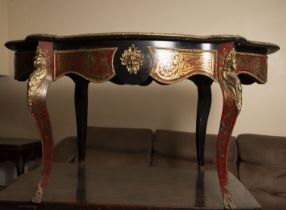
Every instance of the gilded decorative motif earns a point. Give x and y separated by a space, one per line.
37 198
132 58
41 64
93 64
227 200
174 64
230 79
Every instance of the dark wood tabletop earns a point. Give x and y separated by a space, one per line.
31 40
19 150
18 143
94 187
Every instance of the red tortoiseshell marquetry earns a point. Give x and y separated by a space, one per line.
253 64
231 90
38 84
93 64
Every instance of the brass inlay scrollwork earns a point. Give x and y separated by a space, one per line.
171 64
132 58
41 64
230 79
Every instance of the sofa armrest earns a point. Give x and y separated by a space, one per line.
66 150
262 168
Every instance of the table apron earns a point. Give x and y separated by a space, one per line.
168 65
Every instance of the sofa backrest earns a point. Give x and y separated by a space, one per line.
119 146
262 168
66 150
110 147
178 149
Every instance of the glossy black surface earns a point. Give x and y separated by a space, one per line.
130 78
81 109
31 40
203 109
96 187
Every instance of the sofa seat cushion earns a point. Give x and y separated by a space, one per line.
270 202
262 168
110 146
116 159
167 162
65 150
130 140
178 149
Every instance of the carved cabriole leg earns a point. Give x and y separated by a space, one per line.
81 107
81 182
200 188
203 110
38 84
232 99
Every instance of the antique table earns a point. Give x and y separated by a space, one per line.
138 59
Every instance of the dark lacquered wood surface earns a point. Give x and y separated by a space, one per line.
241 42
203 110
19 150
93 187
18 143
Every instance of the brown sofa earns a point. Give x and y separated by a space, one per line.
262 168
258 161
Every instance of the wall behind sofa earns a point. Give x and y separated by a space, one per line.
4 69
167 107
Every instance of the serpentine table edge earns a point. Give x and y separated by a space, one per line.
138 59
